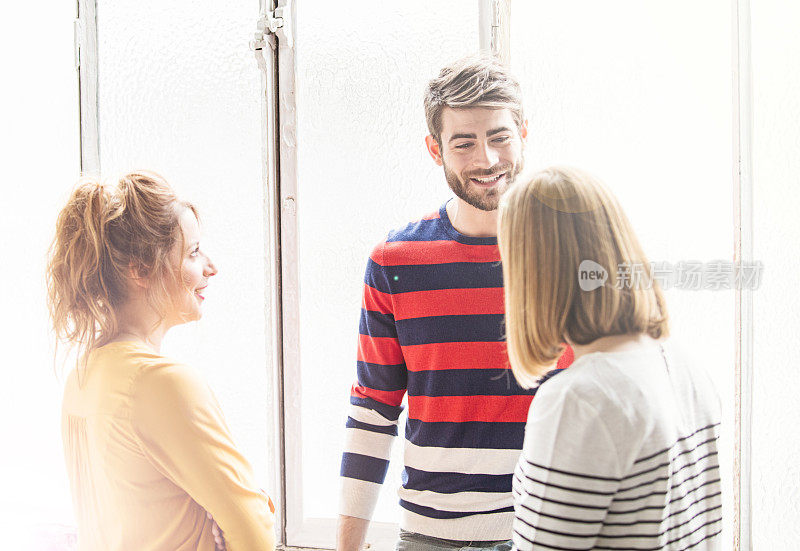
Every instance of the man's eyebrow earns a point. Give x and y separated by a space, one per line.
498 130
491 132
462 137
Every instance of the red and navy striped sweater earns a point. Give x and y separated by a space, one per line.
432 327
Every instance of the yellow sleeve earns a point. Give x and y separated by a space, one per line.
182 430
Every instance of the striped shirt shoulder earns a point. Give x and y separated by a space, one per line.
417 248
426 228
634 463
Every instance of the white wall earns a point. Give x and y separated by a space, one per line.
39 151
776 193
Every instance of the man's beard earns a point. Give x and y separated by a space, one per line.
483 199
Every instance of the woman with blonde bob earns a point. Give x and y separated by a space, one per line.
620 449
149 456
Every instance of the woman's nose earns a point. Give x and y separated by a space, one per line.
211 269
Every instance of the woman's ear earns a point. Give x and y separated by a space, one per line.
136 276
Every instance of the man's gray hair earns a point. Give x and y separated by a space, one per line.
478 80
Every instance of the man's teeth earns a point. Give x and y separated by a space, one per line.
488 180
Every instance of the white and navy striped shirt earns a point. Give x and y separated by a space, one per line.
620 453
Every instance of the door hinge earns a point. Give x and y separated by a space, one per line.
275 23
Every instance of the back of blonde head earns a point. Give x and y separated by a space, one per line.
549 224
105 236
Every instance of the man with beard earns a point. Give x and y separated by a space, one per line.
432 327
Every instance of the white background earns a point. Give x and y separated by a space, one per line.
39 152
362 170
639 93
179 94
647 107
776 165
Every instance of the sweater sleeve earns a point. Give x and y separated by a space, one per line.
182 431
567 475
375 398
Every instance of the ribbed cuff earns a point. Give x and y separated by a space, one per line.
357 498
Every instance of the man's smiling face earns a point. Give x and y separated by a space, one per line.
481 152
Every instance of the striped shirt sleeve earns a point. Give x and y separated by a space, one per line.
375 398
567 475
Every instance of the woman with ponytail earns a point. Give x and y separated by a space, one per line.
149 456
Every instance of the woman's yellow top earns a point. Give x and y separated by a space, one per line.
148 454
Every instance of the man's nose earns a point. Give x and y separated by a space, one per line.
486 156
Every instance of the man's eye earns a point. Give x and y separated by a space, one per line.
464 146
501 139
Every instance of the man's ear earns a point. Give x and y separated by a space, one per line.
523 130
433 149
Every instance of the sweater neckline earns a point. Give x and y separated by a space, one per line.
444 219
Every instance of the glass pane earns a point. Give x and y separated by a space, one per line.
363 170
179 94
776 193
639 94
40 149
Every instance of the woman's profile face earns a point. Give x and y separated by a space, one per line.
196 270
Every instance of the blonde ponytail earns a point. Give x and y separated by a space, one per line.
104 237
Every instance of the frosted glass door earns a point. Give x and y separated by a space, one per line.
640 94
776 196
179 93
362 170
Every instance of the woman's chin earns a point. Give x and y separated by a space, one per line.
185 317
194 315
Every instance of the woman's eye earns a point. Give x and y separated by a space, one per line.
195 251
